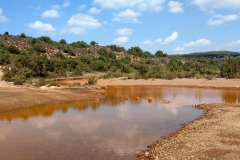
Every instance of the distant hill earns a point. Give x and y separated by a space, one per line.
212 54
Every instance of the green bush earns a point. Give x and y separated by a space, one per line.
53 83
22 35
92 80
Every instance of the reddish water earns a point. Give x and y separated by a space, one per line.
111 128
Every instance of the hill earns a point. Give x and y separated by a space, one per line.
34 60
212 54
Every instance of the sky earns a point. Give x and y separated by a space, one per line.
175 27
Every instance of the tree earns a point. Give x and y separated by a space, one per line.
22 35
229 68
63 41
93 43
6 33
160 53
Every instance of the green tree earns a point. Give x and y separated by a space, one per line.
229 68
63 41
93 43
22 35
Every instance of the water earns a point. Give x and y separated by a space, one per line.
109 128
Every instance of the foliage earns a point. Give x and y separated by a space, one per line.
92 80
13 49
160 53
117 48
63 41
229 68
23 35
93 43
80 44
69 50
37 45
45 39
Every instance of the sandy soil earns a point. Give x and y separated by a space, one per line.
201 83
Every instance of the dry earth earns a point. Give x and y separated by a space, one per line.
215 135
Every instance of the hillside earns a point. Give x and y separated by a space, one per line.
51 48
36 60
212 54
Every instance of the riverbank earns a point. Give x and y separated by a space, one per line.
215 135
20 97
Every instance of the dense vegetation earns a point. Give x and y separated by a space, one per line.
34 63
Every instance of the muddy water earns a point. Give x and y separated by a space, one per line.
109 128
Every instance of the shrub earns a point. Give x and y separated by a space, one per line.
41 82
18 80
22 35
13 49
92 80
53 83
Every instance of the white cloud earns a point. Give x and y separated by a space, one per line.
220 19
120 40
52 13
35 8
126 16
198 43
74 30
179 50
216 4
57 7
124 31
84 21
175 7
94 10
141 5
2 17
171 38
66 3
82 7
149 42
236 43
42 28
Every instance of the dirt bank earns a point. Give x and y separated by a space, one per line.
215 135
218 83
17 97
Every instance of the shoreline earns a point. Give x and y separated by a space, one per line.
212 135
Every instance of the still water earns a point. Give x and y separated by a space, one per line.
109 128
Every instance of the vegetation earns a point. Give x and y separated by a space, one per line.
20 66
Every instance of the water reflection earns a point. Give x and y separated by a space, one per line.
99 129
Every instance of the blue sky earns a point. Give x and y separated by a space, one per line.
175 27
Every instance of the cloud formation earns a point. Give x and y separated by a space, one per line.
52 13
124 31
171 38
94 10
41 27
179 50
2 17
120 40
216 4
66 3
236 43
198 43
149 42
126 16
84 21
175 7
140 5
218 19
